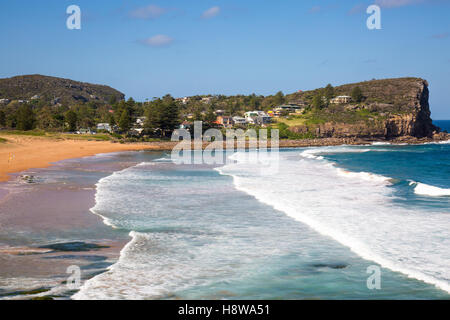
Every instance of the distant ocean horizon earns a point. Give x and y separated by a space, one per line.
443 124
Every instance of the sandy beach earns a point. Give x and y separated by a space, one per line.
21 153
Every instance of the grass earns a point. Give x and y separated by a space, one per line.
35 133
2 140
95 137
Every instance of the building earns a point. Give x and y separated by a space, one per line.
257 117
239 121
207 100
140 121
263 120
225 121
341 99
104 126
85 131
4 101
186 125
183 100
288 108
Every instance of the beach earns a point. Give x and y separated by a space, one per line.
21 152
46 225
127 218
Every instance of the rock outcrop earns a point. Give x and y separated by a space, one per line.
391 107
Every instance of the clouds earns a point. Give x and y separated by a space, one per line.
315 9
444 35
148 12
152 12
211 13
396 3
357 9
159 40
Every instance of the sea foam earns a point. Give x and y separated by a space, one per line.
355 209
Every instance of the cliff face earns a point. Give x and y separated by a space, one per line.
390 108
55 90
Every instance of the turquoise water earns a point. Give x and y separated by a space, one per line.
310 230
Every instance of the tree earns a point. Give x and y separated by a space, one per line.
2 118
317 101
162 114
279 98
357 95
25 118
71 119
111 120
329 92
124 121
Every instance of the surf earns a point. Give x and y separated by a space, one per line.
354 208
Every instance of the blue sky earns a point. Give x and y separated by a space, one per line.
150 48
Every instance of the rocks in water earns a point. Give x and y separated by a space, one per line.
28 179
330 265
76 246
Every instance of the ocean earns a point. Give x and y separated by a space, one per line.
443 124
316 229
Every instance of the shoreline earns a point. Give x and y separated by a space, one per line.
55 215
21 153
21 256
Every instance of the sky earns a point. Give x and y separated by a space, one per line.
147 49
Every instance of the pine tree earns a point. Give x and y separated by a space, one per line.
357 95
329 92
2 118
124 121
25 118
71 119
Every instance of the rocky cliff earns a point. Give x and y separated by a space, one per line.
390 108
53 90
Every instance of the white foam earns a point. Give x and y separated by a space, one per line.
356 210
427 190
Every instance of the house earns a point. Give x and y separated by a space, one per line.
183 100
104 126
263 120
85 131
140 121
186 125
251 116
239 121
257 117
341 99
135 132
288 108
219 112
207 100
35 97
4 101
225 121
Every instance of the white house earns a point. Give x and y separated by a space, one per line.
140 121
239 120
104 126
341 99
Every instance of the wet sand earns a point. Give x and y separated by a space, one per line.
35 215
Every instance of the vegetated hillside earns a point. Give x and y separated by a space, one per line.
54 91
388 108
